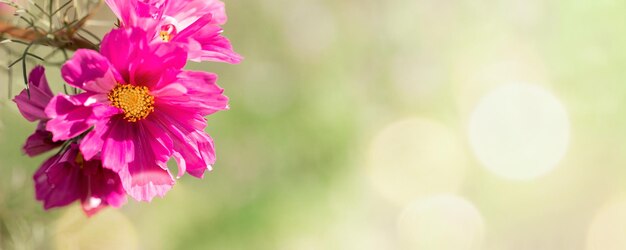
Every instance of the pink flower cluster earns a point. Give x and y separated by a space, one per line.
136 109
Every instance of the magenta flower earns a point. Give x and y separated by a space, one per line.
67 177
32 108
139 109
193 23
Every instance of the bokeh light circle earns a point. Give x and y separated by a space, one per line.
415 157
608 228
519 131
444 222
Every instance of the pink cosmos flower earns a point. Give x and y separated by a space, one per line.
67 177
194 23
139 109
32 108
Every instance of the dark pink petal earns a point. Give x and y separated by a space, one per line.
40 141
58 181
90 71
32 107
104 188
70 116
66 177
37 79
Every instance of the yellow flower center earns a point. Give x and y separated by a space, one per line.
135 101
165 36
167 32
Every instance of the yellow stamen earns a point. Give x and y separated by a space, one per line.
166 36
135 101
167 32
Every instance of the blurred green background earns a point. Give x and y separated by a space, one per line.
402 124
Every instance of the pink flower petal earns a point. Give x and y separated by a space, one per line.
57 182
195 158
148 68
32 107
205 43
40 141
118 148
138 62
192 90
37 79
69 116
88 70
193 149
121 47
91 144
185 13
104 188
147 176
144 182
